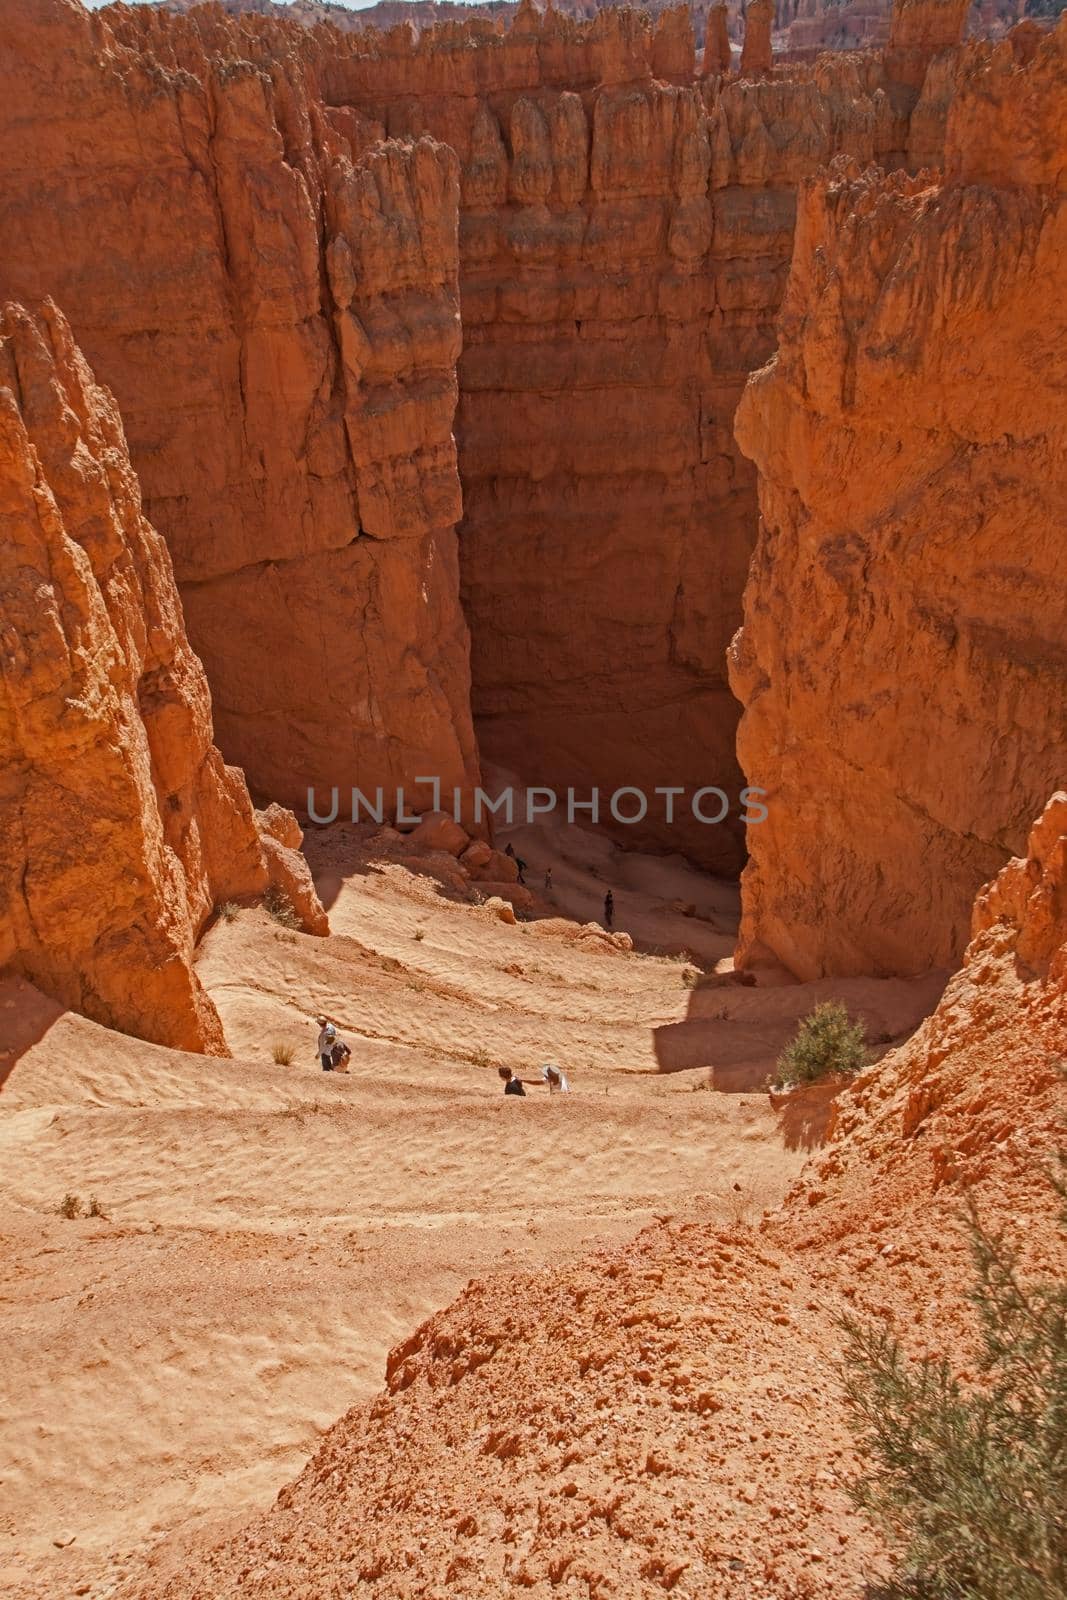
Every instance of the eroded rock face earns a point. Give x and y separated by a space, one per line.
121 825
272 295
623 246
902 661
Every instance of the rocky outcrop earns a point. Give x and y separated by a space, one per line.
121 825
272 295
902 660
972 1103
756 50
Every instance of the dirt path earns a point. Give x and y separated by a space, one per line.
270 1231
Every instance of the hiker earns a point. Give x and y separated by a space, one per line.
548 880
512 1083
333 1052
556 1080
519 862
609 909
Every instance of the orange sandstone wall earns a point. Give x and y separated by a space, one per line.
274 294
276 308
120 825
624 244
903 661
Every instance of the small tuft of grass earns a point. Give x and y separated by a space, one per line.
70 1207
827 1044
227 910
95 1208
420 934
280 907
480 1057
282 1054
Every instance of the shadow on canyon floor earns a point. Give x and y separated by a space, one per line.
27 1017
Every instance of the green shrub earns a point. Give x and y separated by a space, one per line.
280 907
970 1481
827 1044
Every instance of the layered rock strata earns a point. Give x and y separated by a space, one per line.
624 235
272 295
121 826
902 662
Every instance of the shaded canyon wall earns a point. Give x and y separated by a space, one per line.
625 235
275 306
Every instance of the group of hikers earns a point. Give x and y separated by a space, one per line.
551 1077
334 1055
609 898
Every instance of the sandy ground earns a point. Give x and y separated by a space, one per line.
269 1232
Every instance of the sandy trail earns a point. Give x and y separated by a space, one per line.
271 1231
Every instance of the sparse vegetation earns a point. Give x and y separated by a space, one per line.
969 1477
827 1044
70 1207
280 907
95 1208
283 1054
480 1057
227 911
420 934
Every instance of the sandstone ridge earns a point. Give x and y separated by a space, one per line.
123 827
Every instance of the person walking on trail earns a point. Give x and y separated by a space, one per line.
556 1080
609 909
519 862
333 1052
512 1083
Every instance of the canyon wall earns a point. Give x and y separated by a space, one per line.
903 660
274 302
624 243
120 825
618 232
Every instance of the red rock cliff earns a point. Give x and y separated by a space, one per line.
624 245
902 662
286 361
275 306
121 826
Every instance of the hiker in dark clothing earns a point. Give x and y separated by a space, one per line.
609 909
512 1084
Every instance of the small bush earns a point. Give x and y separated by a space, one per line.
227 910
283 1054
970 1483
70 1207
280 907
420 934
95 1208
827 1044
